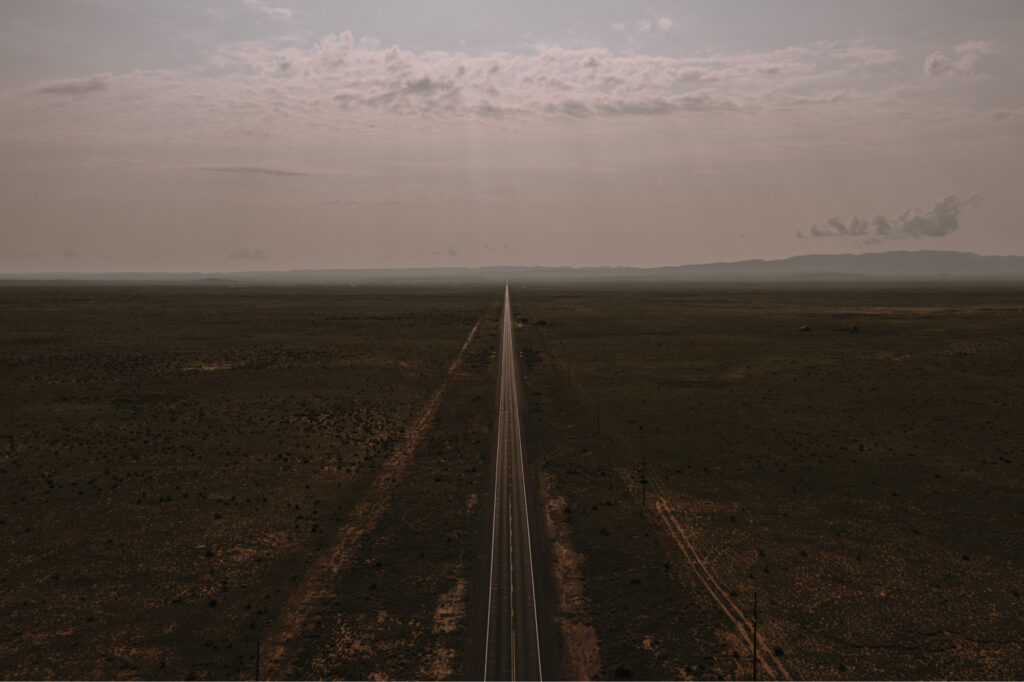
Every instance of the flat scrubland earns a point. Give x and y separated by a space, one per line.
188 470
865 477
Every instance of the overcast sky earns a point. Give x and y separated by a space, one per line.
280 134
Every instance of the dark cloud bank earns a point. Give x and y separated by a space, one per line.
941 221
78 86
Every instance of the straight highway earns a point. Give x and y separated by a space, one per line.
512 637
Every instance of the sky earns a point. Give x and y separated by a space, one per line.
185 136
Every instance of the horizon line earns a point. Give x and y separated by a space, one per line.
488 267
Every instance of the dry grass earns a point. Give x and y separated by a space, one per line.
174 460
864 478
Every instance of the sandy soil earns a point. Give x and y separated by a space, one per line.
320 580
581 659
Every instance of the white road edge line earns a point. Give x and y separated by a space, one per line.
494 522
503 416
494 515
526 513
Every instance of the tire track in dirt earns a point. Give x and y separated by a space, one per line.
744 627
766 656
319 581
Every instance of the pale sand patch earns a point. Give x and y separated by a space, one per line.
439 667
451 608
649 645
210 367
449 614
581 659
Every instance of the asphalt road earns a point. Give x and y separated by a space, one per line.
513 642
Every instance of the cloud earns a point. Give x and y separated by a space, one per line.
360 76
77 86
943 220
550 81
253 170
265 7
304 90
452 252
246 254
644 25
70 253
961 63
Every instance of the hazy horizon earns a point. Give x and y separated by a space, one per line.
286 134
890 266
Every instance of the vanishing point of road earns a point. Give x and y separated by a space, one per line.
512 638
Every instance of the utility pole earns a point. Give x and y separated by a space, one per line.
257 657
755 636
643 480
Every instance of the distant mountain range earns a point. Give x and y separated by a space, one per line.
890 265
886 265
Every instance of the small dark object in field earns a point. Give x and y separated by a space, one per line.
805 328
623 671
